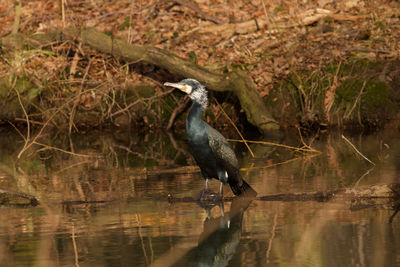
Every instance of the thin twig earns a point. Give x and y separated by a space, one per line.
356 101
75 247
63 12
62 150
18 131
276 164
28 134
77 99
31 121
355 149
17 17
180 108
308 149
266 13
26 146
241 136
141 100
199 11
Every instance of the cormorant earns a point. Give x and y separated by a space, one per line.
209 148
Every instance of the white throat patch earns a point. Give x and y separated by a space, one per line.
199 95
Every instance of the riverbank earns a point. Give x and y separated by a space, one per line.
326 65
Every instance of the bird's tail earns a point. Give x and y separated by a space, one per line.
242 190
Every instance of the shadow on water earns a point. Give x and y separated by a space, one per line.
105 203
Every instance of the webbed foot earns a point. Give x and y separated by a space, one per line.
207 195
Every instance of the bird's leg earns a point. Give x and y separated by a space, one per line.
221 208
205 190
221 189
207 183
208 212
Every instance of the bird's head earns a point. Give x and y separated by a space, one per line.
195 90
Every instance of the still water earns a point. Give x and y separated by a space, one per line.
124 219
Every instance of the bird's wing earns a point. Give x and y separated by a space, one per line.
222 150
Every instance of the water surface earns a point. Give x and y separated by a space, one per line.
124 219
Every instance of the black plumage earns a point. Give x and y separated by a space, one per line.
209 148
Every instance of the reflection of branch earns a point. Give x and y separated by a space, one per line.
141 238
362 176
272 237
146 156
304 143
62 150
75 247
397 208
348 141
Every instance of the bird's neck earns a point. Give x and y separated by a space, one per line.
195 114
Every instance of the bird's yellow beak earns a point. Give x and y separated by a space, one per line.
183 87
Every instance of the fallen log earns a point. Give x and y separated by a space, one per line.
273 25
355 195
383 191
16 198
237 81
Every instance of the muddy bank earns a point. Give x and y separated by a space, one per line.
314 66
360 93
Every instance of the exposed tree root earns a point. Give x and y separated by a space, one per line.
237 81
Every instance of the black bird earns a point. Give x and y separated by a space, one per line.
209 148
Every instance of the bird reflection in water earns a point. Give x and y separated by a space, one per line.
221 236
